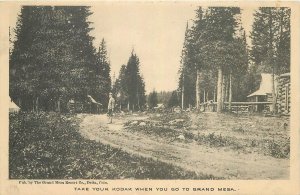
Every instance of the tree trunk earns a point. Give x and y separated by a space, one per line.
227 89
138 100
198 92
273 93
58 105
33 105
219 91
182 93
230 92
204 96
215 93
37 104
223 91
128 106
271 34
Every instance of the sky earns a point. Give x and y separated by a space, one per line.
154 30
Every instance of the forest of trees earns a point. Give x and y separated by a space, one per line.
130 86
53 59
152 99
216 62
271 43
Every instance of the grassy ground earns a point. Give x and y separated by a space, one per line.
243 133
48 146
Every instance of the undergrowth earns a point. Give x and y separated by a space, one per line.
48 146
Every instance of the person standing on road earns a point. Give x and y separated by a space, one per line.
110 107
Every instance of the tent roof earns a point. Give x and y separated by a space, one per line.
265 85
13 106
93 100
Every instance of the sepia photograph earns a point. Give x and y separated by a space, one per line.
105 95
166 92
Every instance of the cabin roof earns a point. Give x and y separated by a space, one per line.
265 85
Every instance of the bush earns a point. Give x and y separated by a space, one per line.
279 149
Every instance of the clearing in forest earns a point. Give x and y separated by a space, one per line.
222 145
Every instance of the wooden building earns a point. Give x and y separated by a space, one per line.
263 94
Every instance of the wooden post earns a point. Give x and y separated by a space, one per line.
256 107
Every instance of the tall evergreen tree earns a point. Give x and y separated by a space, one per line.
164 96
173 100
104 74
212 47
120 88
187 72
271 42
141 93
135 84
53 58
152 99
218 44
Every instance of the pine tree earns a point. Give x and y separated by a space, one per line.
187 80
283 41
183 62
120 88
152 99
163 97
134 83
173 100
198 32
239 69
141 93
223 31
53 58
84 57
103 74
212 48
30 67
271 42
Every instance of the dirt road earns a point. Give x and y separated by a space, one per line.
190 156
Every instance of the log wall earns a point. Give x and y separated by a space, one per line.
284 95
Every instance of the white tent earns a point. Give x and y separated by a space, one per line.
13 107
93 100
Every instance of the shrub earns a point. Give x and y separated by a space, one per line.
279 149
